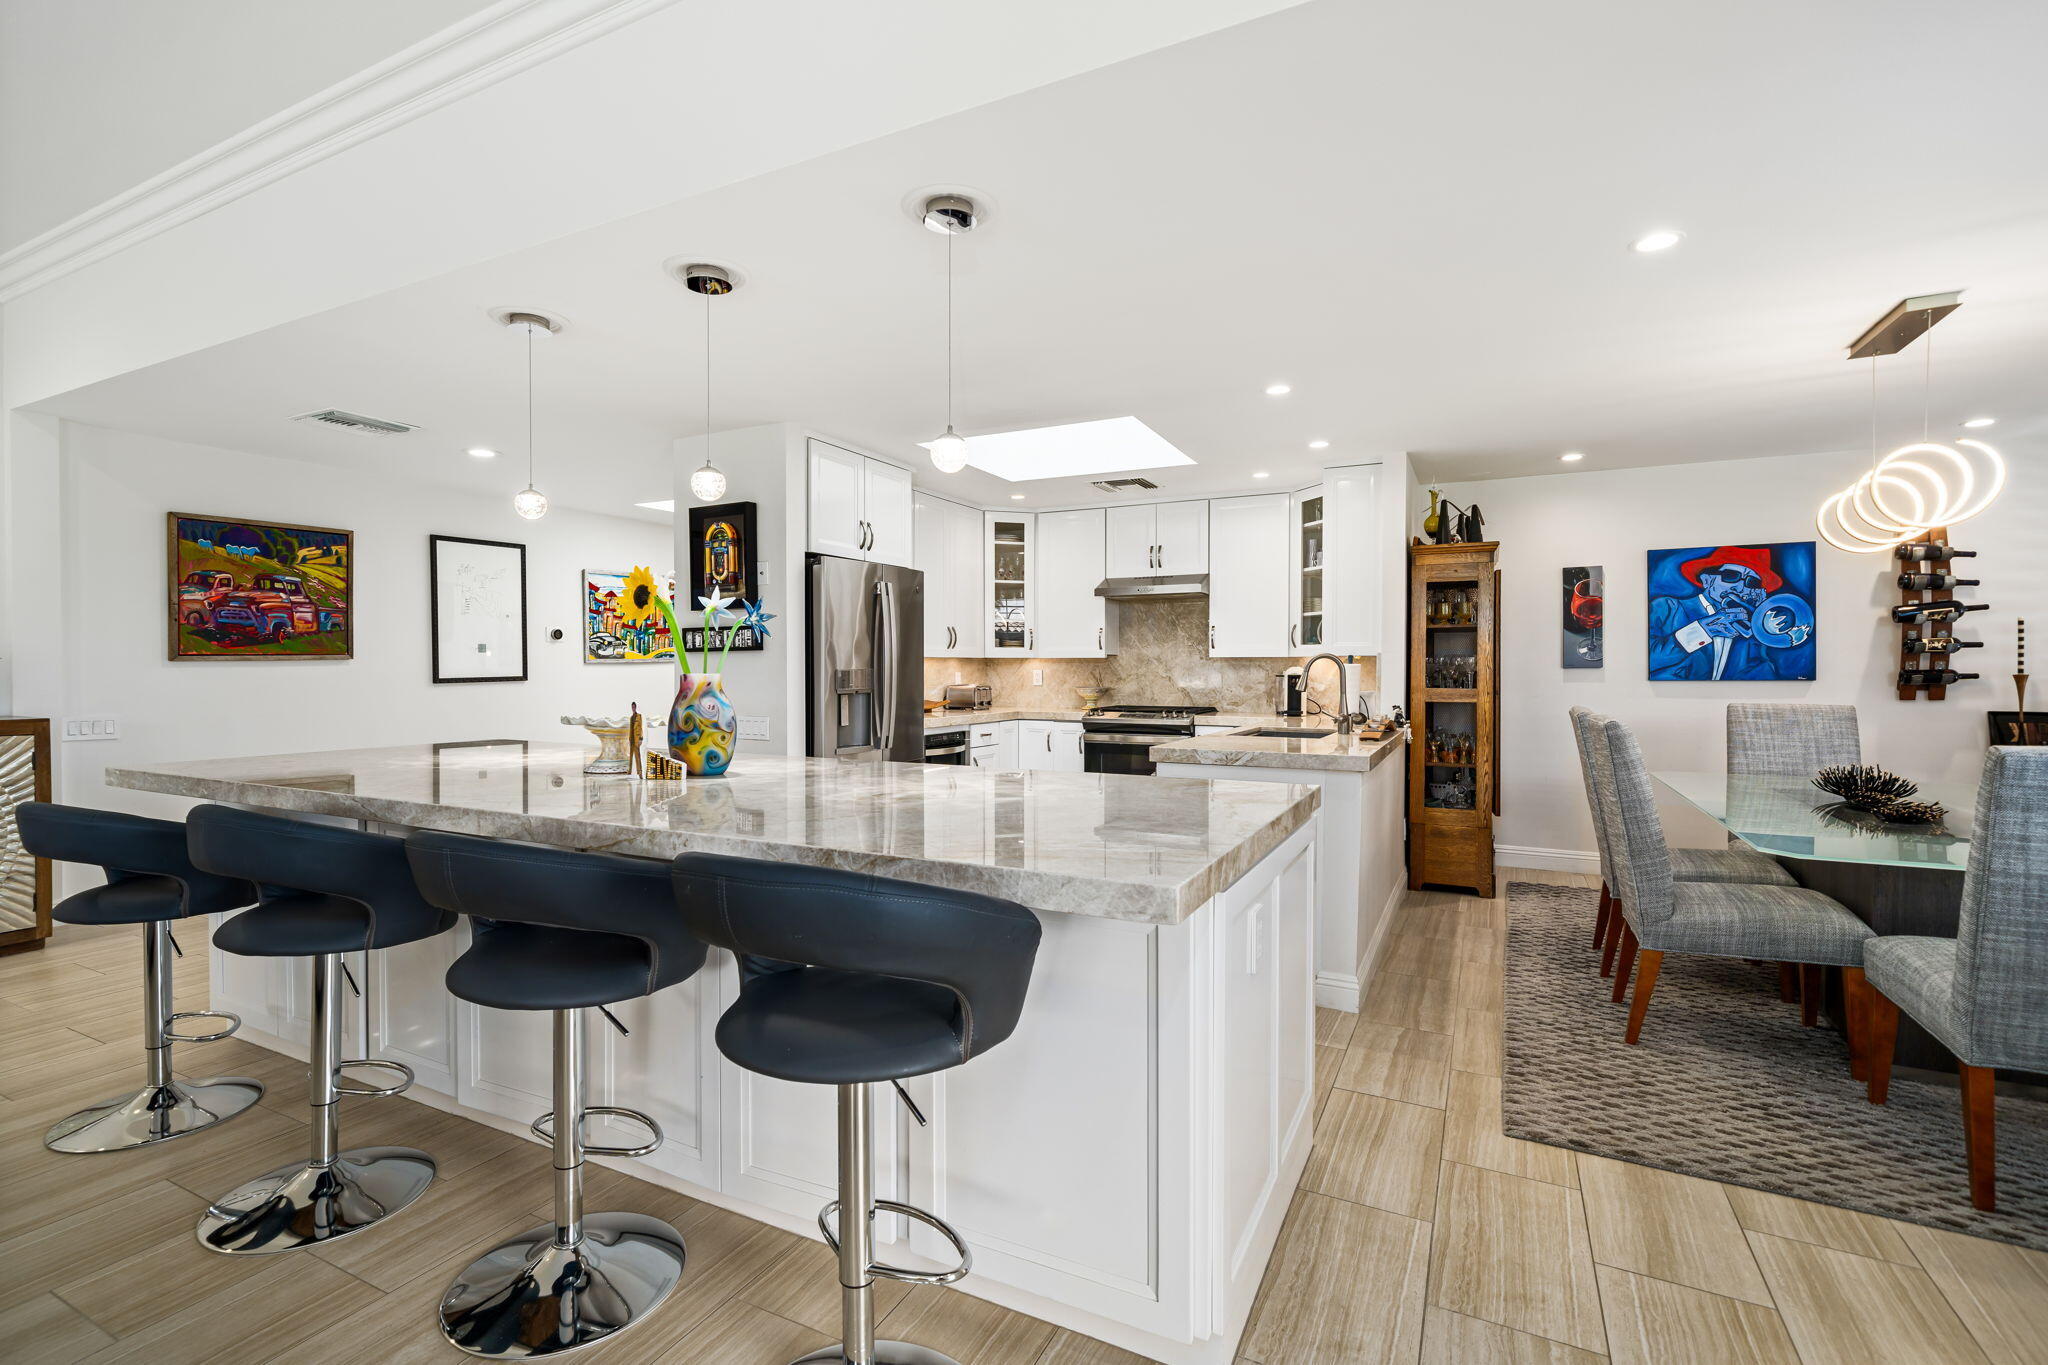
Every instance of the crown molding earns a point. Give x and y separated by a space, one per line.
489 46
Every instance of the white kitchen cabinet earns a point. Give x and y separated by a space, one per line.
1249 579
1066 747
1305 633
860 507
947 542
1071 621
1008 601
1352 573
1034 746
1158 538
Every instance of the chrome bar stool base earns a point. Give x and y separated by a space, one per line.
153 1114
885 1353
531 1297
307 1204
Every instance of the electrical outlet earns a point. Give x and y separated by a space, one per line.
1038 677
753 727
92 727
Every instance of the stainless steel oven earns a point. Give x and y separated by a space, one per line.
1119 739
949 746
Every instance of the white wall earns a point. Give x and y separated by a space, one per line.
110 584
767 466
1613 518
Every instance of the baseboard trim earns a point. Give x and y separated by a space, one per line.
1545 859
1335 991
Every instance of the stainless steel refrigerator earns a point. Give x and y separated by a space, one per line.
865 658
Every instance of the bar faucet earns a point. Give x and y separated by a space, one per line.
1343 712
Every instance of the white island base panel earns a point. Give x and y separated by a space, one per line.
1121 1165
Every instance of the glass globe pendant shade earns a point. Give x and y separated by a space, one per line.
949 452
530 503
708 483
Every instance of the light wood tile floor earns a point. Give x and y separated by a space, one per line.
1421 1236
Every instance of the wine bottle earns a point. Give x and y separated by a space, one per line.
1939 644
1934 552
1931 677
1944 610
1935 580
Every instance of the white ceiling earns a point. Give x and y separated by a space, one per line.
97 95
1418 219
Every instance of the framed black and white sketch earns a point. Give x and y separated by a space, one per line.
476 592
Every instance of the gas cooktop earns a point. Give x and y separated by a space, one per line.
1147 712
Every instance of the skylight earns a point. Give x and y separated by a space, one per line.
1113 445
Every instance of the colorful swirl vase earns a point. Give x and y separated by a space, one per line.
703 729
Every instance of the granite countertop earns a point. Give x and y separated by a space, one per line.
1330 753
937 722
1149 849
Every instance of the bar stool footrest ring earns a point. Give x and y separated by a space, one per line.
828 1224
544 1129
348 1085
171 1036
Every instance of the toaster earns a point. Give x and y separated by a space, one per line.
968 696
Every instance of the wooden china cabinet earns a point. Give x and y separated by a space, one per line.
1454 714
24 881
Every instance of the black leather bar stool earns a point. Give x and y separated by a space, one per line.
846 980
561 931
150 881
324 890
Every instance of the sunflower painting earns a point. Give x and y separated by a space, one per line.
625 617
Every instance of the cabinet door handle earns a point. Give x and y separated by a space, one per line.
1048 741
1030 637
1098 637
1291 628
1212 637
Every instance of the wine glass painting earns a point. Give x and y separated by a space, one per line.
1585 634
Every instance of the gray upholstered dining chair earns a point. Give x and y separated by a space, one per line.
1661 914
1687 864
1984 993
1790 739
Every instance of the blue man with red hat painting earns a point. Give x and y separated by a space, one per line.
1732 613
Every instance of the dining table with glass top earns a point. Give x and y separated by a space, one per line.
1897 878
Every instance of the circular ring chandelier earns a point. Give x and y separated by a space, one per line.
1919 487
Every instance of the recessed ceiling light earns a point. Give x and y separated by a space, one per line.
1262 474
483 453
1981 422
1572 456
1111 445
1318 445
1275 390
1663 239
1016 497
665 505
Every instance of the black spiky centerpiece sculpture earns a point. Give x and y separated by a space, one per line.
1875 791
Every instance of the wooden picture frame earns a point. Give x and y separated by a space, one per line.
471 588
265 621
727 566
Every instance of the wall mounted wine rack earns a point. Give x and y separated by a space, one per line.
1914 656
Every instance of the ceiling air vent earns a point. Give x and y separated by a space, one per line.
1123 485
355 421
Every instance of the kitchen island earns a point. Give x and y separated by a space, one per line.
1363 871
1121 1166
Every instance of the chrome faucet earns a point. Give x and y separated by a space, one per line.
1343 713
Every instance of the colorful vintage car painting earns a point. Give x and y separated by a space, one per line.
260 590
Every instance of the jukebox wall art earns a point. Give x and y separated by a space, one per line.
722 552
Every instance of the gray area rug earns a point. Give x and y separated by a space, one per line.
1726 1085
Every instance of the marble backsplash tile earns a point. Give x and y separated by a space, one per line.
1162 658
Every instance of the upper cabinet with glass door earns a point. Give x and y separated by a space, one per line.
1307 631
1012 561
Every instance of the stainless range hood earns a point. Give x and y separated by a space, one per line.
1166 585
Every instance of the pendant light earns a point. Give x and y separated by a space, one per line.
1923 485
949 215
708 483
530 502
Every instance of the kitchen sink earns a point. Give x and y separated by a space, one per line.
1285 734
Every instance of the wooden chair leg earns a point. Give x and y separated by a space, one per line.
1856 1005
1615 921
1979 1133
1809 993
1624 962
1600 919
1881 1039
1648 964
1788 982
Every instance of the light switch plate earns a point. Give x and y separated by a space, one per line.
754 727
91 727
